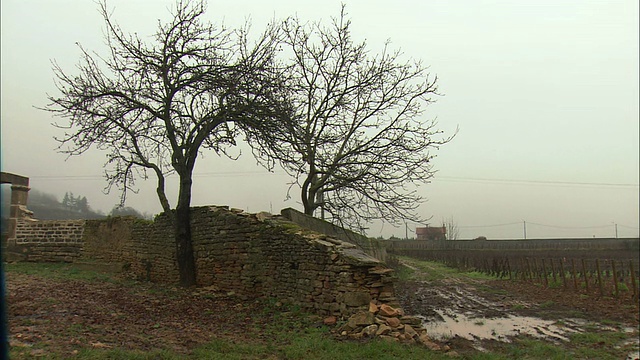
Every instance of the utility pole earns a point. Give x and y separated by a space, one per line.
406 231
524 223
616 226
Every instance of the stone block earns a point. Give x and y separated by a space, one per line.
357 298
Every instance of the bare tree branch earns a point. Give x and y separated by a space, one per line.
155 105
358 145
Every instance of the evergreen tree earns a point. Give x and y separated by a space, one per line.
65 201
82 204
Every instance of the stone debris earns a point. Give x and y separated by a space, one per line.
330 321
388 311
263 215
373 308
387 323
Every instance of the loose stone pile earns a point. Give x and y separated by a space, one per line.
385 322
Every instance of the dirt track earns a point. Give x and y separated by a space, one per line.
479 311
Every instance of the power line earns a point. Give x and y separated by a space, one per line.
545 225
206 174
572 227
487 226
534 182
451 178
629 227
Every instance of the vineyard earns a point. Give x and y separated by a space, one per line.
601 272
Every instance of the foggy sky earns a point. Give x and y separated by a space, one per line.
545 95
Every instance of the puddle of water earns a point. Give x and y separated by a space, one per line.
495 328
635 354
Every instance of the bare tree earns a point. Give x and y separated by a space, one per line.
359 144
451 227
153 105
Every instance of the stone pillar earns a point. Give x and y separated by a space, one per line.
18 209
19 196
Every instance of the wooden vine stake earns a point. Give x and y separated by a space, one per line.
562 274
573 272
633 281
615 276
599 277
584 275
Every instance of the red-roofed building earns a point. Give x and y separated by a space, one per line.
431 233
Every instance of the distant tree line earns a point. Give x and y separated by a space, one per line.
46 206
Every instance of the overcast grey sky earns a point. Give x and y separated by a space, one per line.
545 94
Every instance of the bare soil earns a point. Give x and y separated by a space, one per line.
67 315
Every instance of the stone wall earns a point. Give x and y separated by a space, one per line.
61 231
370 246
46 240
252 255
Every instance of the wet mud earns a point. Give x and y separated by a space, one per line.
458 309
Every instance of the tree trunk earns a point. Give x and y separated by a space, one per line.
309 200
182 227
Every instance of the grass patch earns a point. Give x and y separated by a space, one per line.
58 271
427 270
547 304
622 287
433 271
600 345
555 284
590 345
478 275
528 348
492 290
610 322
101 354
403 273
313 344
221 349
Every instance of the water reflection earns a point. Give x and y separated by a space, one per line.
501 328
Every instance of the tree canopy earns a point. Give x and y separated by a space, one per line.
347 125
153 106
359 143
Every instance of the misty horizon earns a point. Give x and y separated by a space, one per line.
544 94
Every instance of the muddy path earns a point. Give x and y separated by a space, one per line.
478 311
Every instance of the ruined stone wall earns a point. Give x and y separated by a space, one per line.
248 254
276 258
373 247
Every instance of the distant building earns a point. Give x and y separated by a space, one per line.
431 233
